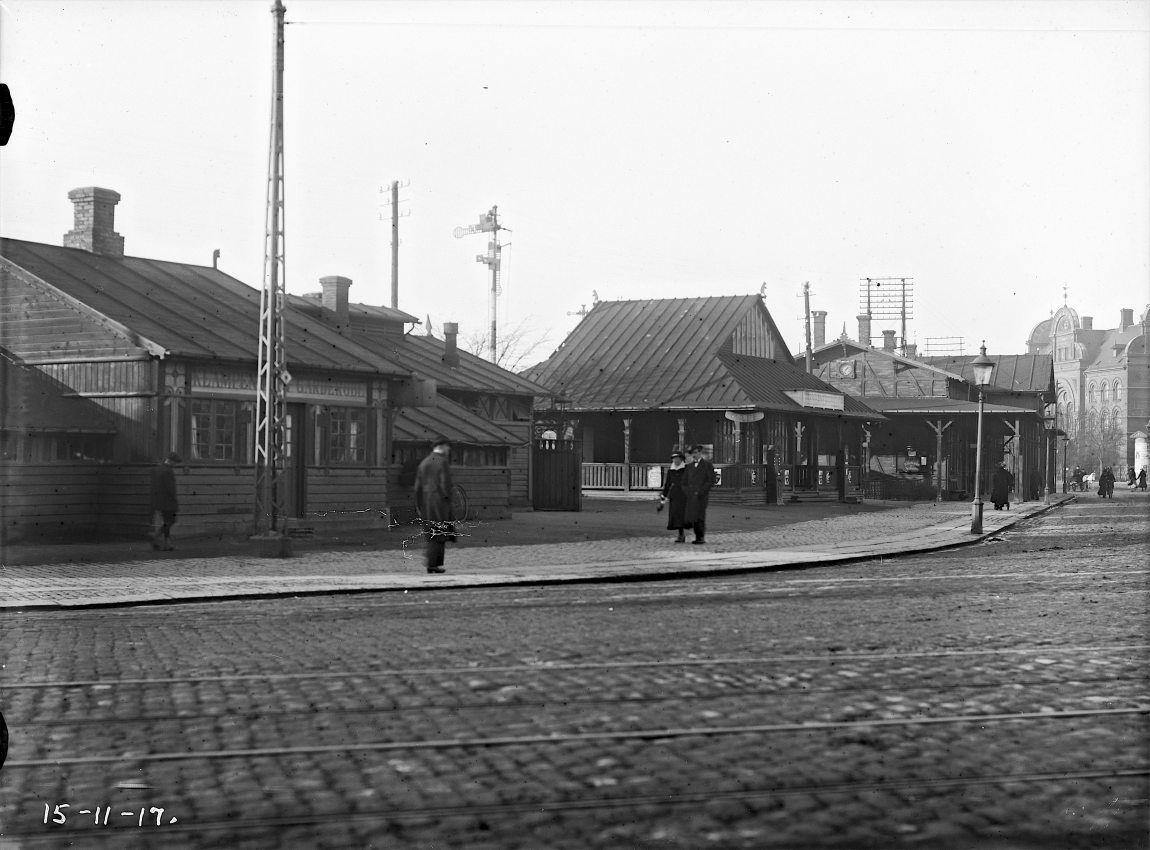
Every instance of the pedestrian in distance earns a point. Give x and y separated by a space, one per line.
1106 484
698 479
1142 479
1130 477
433 501
1001 483
165 501
674 497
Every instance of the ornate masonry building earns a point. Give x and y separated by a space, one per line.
1103 386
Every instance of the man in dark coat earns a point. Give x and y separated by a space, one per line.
697 483
433 501
673 492
1001 483
164 500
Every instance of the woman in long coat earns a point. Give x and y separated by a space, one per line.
674 497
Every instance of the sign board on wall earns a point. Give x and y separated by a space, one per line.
736 416
817 398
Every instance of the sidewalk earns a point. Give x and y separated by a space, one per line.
608 541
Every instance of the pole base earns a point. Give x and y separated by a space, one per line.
976 518
271 544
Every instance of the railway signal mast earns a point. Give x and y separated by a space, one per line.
488 223
272 376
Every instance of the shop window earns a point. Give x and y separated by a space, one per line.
221 430
341 436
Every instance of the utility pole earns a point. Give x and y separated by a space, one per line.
807 315
489 223
271 375
395 244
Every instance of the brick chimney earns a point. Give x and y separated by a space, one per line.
909 349
94 227
1087 323
888 341
1127 320
335 296
864 329
451 343
819 321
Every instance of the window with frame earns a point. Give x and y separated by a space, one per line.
1103 393
221 430
1117 391
341 436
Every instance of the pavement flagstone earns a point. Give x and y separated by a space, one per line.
501 552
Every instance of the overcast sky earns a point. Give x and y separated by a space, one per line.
994 152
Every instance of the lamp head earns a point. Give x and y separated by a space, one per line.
983 366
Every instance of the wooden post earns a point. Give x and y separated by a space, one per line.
938 431
1016 458
798 454
626 454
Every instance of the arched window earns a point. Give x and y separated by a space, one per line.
1070 416
1117 391
1116 418
1102 393
1091 420
1091 391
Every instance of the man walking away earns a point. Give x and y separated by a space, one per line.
164 500
697 483
433 501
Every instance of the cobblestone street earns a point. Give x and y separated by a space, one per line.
993 695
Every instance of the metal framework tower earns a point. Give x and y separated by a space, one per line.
888 298
272 375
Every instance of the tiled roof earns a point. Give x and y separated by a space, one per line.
32 401
188 310
454 421
1022 373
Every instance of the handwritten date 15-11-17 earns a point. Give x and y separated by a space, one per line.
152 816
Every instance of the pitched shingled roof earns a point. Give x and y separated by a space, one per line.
454 421
1019 373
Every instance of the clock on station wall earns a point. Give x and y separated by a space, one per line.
846 369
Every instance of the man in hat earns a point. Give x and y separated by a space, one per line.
433 501
697 483
164 500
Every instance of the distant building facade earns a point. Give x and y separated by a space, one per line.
1103 385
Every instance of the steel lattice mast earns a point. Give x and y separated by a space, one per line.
271 375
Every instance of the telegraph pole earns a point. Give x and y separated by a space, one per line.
807 317
271 373
395 244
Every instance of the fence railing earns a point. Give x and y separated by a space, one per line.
728 477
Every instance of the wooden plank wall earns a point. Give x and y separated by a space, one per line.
488 492
346 495
39 502
518 462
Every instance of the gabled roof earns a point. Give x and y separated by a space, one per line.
640 352
1019 373
454 421
848 347
187 310
674 354
31 401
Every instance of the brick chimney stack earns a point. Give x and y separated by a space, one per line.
819 321
451 343
1087 323
864 329
94 227
335 296
1127 320
888 341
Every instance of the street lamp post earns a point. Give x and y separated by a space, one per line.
1049 420
982 366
